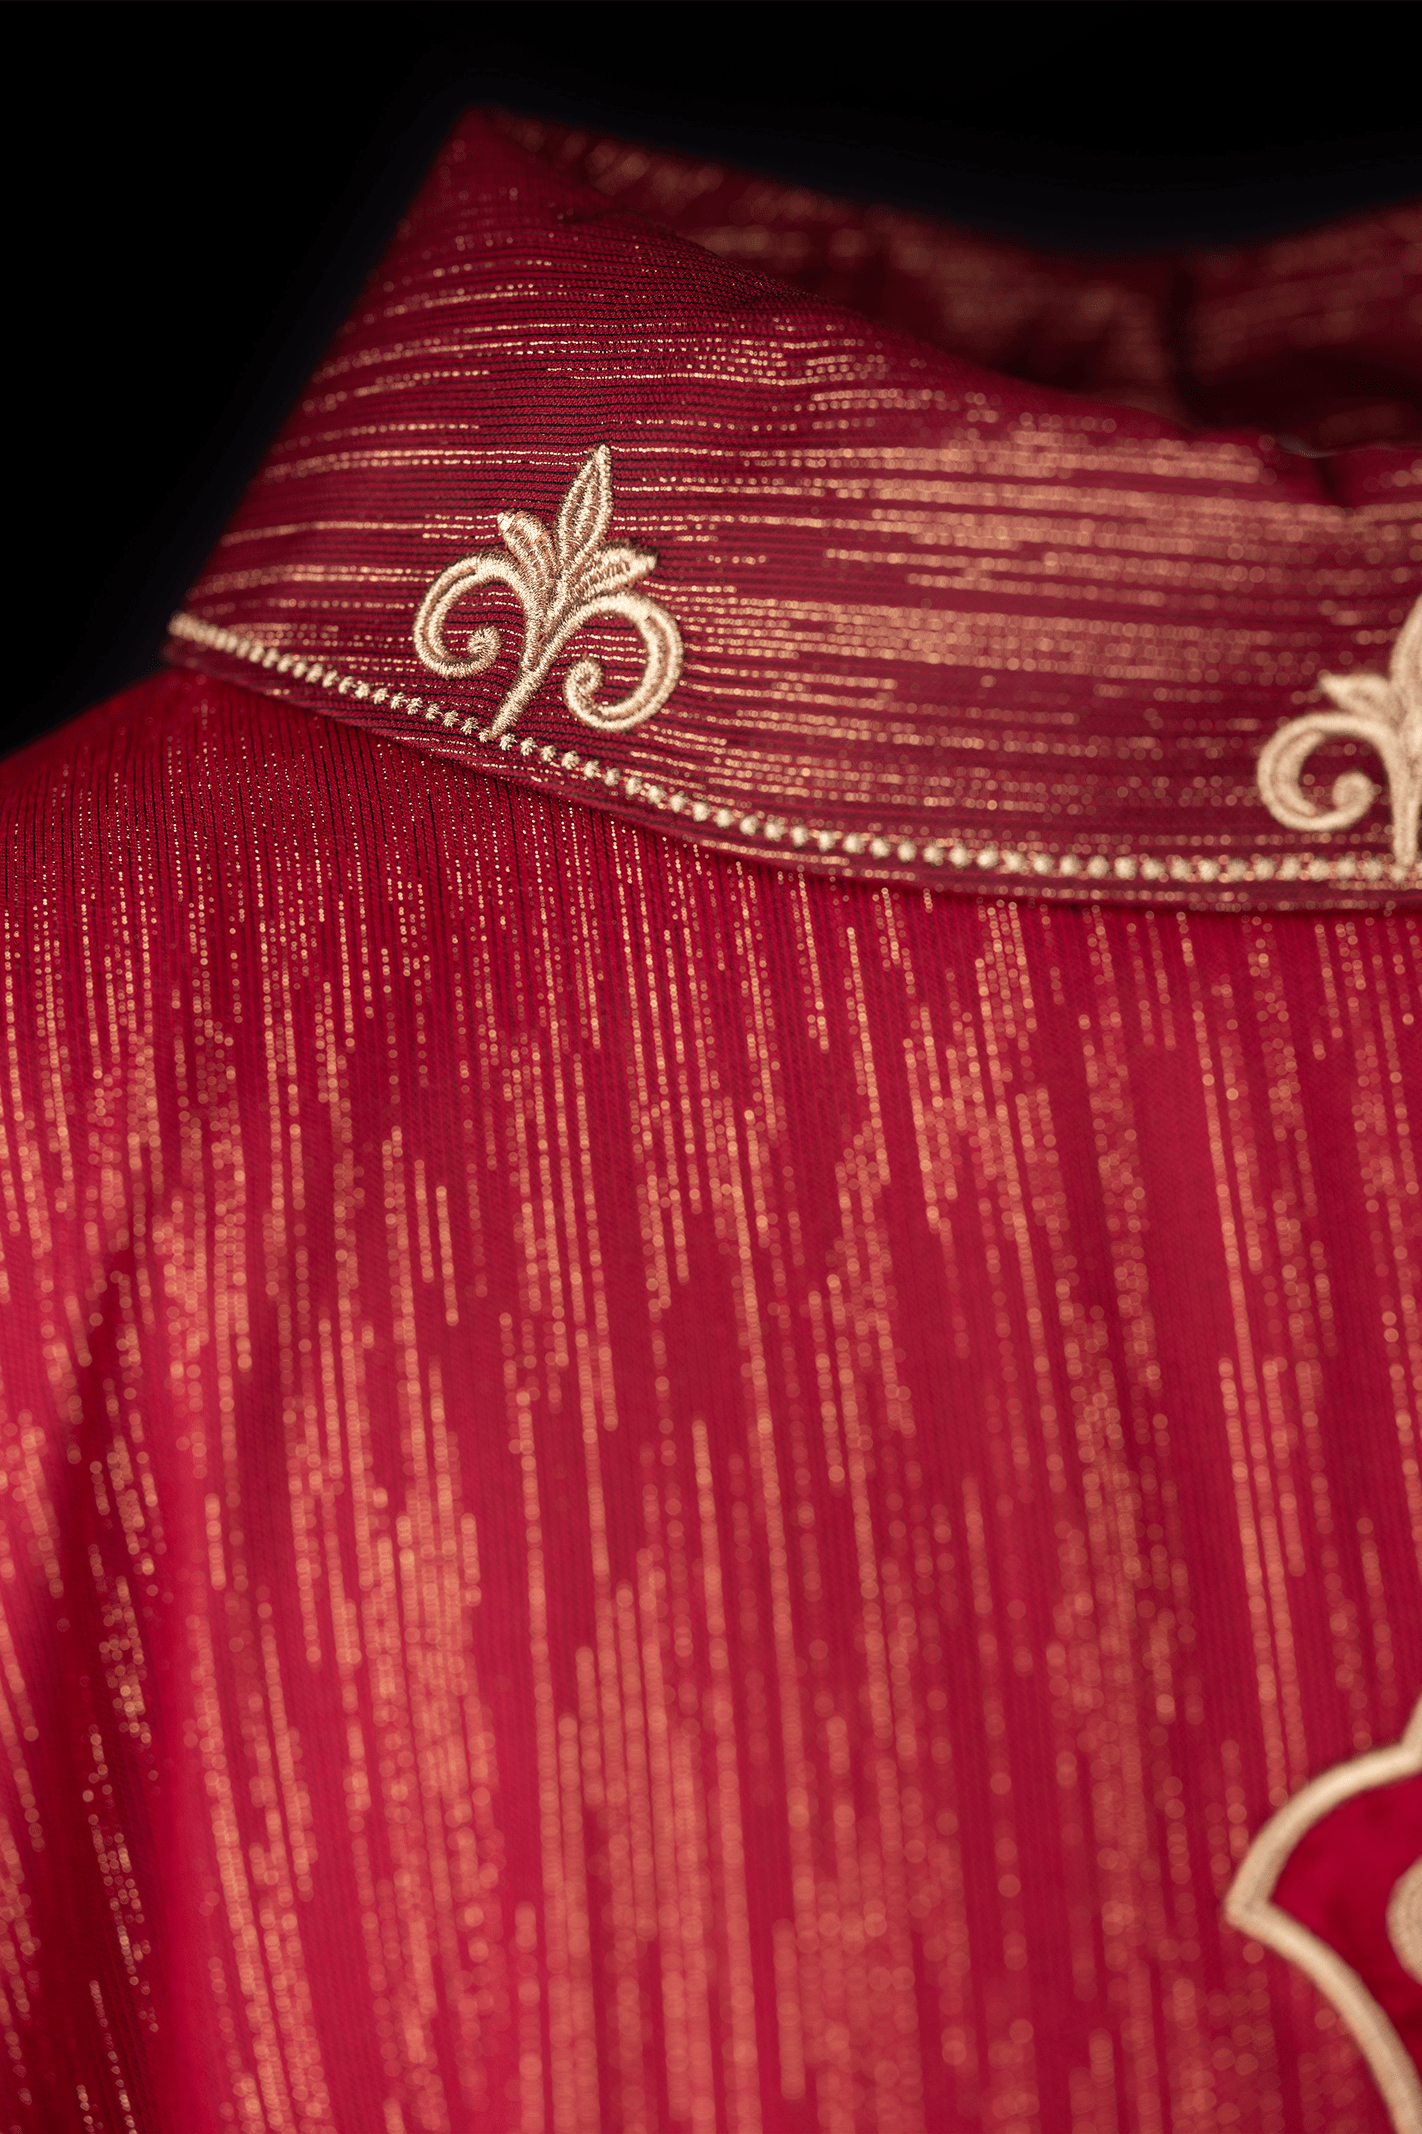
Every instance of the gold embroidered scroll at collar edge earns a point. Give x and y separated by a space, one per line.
1036 865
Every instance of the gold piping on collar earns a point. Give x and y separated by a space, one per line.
1020 859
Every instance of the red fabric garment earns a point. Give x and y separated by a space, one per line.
637 1476
1315 334
937 625
1338 1883
656 1483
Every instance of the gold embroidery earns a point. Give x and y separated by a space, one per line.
563 579
1404 1921
1386 712
1248 1906
1192 870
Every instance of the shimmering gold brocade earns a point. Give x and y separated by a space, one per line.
644 1494
962 589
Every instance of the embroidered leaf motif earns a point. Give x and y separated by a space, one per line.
1383 711
1367 696
527 539
586 510
612 568
564 578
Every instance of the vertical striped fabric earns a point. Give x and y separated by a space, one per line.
643 1493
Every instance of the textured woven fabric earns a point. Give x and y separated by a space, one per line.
645 1494
936 623
1372 1841
655 1479
1318 335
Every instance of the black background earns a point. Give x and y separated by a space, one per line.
197 191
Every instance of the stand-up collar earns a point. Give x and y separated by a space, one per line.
597 508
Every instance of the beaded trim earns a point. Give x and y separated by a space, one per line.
775 830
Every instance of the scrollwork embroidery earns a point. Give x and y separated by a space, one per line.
1385 711
1404 1921
563 579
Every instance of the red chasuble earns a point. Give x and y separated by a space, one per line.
711 1375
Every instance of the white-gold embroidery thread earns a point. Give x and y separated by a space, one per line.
1249 1907
1404 1921
1385 711
563 578
945 849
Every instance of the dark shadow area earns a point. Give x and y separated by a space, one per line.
199 191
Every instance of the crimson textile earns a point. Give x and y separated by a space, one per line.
934 623
652 1494
709 1215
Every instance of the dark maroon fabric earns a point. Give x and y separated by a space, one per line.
1313 335
940 622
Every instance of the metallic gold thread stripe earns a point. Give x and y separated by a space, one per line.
1016 859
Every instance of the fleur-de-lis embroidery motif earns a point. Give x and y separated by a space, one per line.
1384 711
563 578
